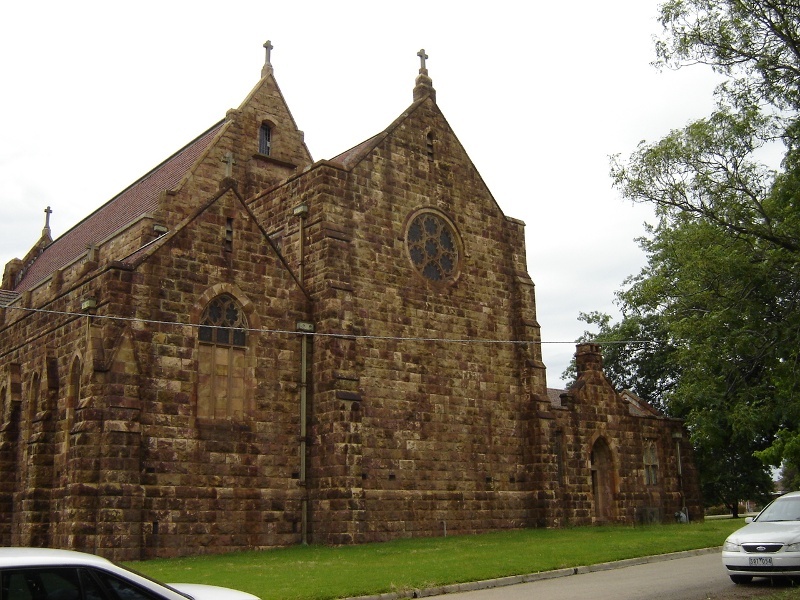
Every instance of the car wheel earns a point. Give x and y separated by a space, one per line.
741 578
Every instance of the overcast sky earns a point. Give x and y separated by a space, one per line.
95 94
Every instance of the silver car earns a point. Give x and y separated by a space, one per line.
27 573
769 545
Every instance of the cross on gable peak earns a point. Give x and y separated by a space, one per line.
424 85
268 47
267 68
422 58
47 212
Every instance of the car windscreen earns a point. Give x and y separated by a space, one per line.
782 509
143 576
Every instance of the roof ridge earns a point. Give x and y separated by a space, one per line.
153 170
135 200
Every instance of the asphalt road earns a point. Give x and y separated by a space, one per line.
693 578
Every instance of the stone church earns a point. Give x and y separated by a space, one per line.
248 348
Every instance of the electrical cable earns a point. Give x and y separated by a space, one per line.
321 334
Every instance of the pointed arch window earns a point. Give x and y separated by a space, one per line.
223 322
222 360
73 397
34 397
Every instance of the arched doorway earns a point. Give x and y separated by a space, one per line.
602 481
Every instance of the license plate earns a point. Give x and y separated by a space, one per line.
760 561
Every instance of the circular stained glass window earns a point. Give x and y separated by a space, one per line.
432 246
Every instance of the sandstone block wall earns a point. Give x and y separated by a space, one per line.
418 407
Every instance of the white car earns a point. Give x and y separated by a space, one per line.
39 573
769 545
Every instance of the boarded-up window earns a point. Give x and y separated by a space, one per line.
221 390
650 463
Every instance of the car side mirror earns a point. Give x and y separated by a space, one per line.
748 520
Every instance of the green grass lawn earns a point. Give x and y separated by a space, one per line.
791 594
320 572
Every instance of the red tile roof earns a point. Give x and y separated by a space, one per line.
7 297
138 199
554 395
349 157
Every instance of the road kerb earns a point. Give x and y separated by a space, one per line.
530 577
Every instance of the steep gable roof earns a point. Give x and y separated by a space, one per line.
638 406
136 200
350 157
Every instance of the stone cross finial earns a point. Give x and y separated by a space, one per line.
229 162
423 85
422 58
267 68
47 213
268 47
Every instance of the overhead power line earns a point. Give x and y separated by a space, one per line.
320 333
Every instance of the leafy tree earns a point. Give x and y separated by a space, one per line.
755 43
730 476
720 294
790 478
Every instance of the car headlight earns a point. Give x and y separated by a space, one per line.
792 547
730 546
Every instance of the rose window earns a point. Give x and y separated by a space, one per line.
432 246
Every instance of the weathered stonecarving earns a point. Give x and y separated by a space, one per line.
250 349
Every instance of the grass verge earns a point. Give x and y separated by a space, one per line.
322 573
790 594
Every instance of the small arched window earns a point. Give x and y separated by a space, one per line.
73 397
429 145
265 139
222 365
34 397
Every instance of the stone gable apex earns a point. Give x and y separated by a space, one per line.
268 89
426 111
228 189
156 191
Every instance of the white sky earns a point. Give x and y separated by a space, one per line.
95 94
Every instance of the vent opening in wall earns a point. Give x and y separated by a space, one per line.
229 235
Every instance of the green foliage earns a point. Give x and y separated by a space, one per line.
790 478
637 355
753 42
720 294
320 573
